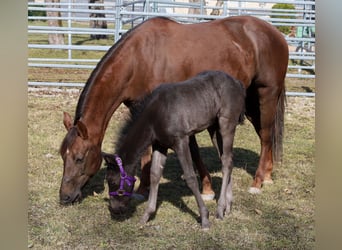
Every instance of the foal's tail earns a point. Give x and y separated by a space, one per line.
277 137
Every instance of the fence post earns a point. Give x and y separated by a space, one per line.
118 6
69 33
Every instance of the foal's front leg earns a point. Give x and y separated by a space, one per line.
184 156
158 162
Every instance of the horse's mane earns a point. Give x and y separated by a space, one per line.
92 79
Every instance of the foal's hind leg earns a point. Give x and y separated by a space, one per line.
184 156
207 190
158 162
224 140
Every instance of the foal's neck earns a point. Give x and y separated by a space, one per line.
133 146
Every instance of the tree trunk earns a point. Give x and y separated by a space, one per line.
216 12
54 38
97 24
196 11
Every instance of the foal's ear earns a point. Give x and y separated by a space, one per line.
67 120
109 158
82 130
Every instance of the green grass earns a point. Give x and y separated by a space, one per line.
282 217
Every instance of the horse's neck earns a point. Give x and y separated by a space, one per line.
100 99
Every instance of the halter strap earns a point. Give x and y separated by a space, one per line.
130 180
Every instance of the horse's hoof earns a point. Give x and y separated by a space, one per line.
138 197
268 182
254 190
208 197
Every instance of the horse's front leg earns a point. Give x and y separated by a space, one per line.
158 162
184 156
146 159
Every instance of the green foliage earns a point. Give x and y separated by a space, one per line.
277 14
36 12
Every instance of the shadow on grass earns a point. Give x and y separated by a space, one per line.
95 184
176 188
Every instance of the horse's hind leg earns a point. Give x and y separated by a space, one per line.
184 156
207 190
158 162
266 115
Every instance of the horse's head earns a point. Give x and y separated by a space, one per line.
120 184
82 159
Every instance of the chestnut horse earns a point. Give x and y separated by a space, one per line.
161 50
211 100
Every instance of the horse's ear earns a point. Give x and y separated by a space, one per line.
109 158
67 120
82 130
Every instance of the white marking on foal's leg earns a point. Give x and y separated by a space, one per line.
254 190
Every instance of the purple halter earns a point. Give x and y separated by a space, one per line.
130 180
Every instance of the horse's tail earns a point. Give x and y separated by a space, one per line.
277 137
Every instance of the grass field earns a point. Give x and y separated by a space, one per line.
282 217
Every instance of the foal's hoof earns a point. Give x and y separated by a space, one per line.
254 190
206 226
208 197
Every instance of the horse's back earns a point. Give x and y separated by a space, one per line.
242 46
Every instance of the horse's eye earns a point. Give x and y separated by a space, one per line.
79 160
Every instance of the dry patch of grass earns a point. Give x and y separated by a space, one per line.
282 217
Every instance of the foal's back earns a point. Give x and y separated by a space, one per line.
188 107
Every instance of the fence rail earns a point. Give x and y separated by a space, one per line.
121 16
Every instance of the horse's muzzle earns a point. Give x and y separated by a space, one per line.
68 199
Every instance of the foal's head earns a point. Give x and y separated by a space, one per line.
120 184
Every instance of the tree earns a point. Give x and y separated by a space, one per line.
276 14
54 38
195 10
216 12
98 24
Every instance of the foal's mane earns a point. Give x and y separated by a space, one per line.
136 108
92 80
